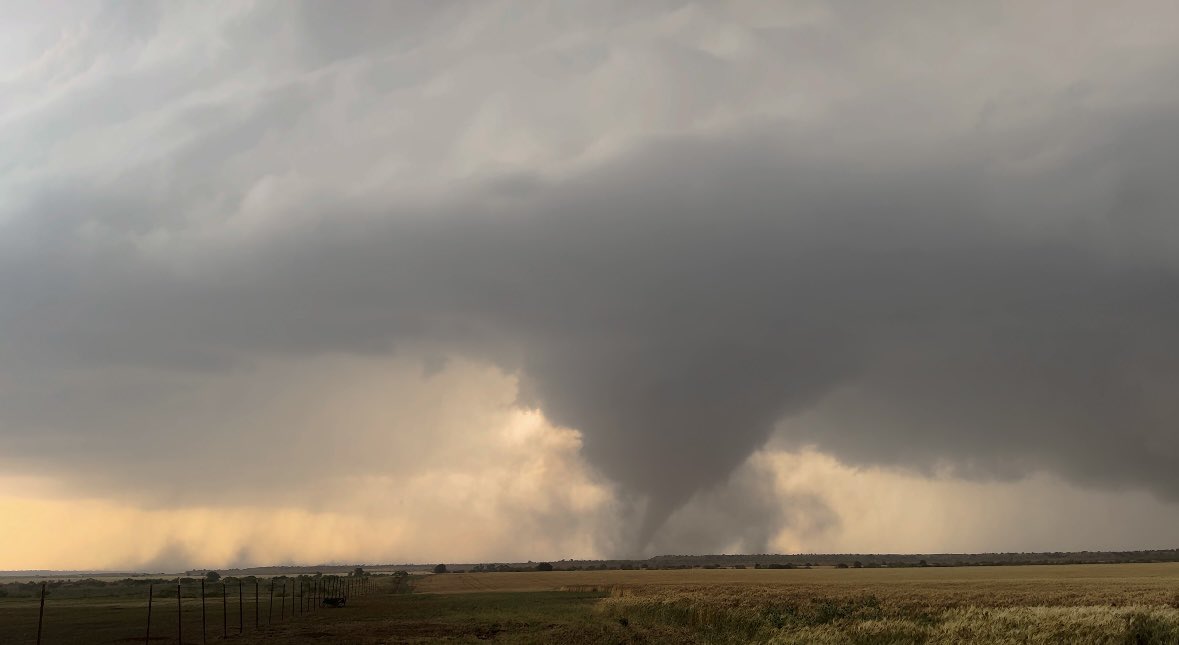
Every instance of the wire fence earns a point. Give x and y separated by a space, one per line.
190 611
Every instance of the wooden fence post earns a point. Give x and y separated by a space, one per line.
241 611
224 610
204 621
147 635
270 615
41 614
282 603
255 603
179 615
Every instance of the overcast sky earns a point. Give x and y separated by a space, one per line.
306 282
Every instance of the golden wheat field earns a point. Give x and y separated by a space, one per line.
1122 603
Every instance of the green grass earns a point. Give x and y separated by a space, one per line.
382 617
116 611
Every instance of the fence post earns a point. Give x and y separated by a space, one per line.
204 622
179 615
241 611
147 635
270 614
255 603
224 610
41 614
282 603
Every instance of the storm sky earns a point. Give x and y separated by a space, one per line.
307 282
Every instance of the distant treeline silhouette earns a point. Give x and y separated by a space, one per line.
838 560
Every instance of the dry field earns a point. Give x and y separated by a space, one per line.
1133 603
1127 603
1039 578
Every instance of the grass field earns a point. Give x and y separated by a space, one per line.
1089 575
1131 603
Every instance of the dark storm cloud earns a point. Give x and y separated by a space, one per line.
743 515
676 305
1000 300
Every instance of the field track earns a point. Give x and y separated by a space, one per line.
1079 574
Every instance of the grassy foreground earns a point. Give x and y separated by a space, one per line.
1130 603
806 615
1041 604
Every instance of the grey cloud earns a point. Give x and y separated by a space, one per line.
1002 299
675 306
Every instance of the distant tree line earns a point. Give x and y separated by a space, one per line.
839 561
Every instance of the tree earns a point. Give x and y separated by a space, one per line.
440 568
212 576
544 566
358 571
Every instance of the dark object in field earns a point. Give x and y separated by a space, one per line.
335 601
